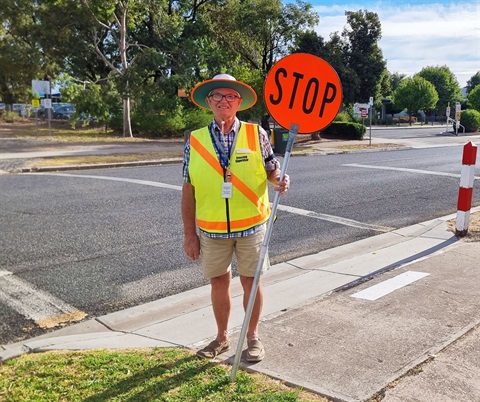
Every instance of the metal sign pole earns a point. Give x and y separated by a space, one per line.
263 251
370 109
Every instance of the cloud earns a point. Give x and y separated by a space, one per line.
418 35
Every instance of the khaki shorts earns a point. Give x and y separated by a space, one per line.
217 254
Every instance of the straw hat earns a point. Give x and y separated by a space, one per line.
201 91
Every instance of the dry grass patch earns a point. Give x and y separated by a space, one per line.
473 233
355 147
99 159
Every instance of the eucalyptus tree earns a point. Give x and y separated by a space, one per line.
110 38
23 54
256 34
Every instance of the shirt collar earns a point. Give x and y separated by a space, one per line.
234 130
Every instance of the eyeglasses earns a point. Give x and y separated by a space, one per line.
219 97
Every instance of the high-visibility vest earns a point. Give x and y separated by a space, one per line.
249 205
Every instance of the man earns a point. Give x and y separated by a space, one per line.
226 169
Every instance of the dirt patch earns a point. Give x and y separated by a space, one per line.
473 233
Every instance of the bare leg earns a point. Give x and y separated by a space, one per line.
221 303
247 282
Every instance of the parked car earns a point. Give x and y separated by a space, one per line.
17 107
64 112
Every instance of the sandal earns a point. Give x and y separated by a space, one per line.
255 351
213 349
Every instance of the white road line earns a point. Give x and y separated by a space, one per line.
404 170
293 210
45 309
383 288
335 219
136 181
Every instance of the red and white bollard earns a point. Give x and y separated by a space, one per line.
466 188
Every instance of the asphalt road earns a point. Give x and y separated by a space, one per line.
103 240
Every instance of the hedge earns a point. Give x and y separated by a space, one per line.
344 130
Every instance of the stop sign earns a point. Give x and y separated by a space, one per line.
305 90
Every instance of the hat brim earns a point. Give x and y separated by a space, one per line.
201 91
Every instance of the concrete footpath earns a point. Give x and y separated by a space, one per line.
394 316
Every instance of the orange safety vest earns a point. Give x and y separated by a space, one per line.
249 205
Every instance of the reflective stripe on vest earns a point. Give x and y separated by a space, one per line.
249 204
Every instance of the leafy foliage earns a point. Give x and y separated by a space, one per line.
470 119
104 53
414 94
364 56
345 130
473 99
354 54
473 82
446 85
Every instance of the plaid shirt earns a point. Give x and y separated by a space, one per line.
271 163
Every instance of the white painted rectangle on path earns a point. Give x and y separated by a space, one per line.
384 288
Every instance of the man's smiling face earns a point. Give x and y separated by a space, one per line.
223 109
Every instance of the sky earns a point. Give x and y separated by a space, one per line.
424 33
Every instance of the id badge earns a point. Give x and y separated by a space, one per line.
227 189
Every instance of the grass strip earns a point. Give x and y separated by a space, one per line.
140 375
98 159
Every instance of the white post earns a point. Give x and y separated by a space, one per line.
466 188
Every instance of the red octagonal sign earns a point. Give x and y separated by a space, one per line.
303 89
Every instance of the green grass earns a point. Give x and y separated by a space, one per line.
166 374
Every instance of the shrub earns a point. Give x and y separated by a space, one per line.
343 117
470 119
347 131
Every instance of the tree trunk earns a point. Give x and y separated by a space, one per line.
315 136
127 124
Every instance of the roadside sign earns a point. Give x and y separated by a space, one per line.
357 107
46 103
36 102
41 88
363 112
458 110
303 89
447 111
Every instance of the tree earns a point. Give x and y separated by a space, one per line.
332 51
256 34
363 55
23 55
414 94
395 80
113 20
473 82
355 56
473 99
446 85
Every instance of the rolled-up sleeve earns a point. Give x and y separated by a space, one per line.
186 161
271 161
